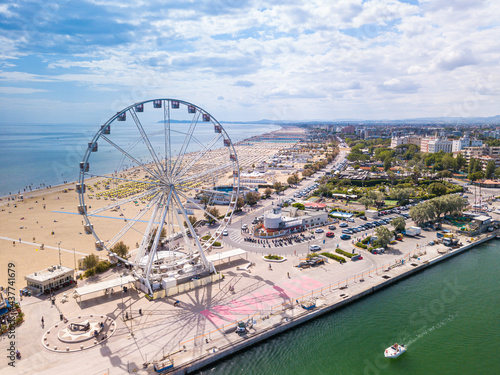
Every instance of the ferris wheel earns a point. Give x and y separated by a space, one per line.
174 169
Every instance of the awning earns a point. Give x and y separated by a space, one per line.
225 255
4 311
108 284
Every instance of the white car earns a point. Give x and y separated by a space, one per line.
224 232
315 248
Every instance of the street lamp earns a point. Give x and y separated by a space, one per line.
59 245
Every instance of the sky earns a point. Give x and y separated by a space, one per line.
64 61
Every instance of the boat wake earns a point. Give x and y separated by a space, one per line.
430 329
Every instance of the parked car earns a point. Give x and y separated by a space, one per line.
314 247
330 234
332 227
319 230
345 237
343 225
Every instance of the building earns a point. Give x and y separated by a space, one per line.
460 144
283 221
52 278
349 129
424 144
439 144
406 140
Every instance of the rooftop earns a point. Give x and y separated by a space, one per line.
49 273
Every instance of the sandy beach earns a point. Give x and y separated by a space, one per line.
50 216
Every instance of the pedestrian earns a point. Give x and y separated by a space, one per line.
42 322
270 268
288 274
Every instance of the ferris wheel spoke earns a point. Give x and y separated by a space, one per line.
125 153
167 135
146 239
187 140
181 172
124 201
213 172
129 226
205 212
147 142
180 221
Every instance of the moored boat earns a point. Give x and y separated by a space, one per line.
394 351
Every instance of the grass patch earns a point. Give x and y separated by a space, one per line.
273 257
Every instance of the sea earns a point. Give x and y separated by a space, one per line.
448 316
36 155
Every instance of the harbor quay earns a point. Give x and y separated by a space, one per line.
201 328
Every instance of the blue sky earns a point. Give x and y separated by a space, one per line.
81 61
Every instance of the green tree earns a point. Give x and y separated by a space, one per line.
374 169
490 169
252 198
192 221
324 190
449 162
299 206
268 191
384 236
497 173
278 187
240 202
423 212
120 249
90 261
445 174
211 214
401 194
365 201
437 189
387 164
460 162
399 223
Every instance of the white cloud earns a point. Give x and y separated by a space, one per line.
261 58
20 90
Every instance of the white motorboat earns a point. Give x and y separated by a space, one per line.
394 351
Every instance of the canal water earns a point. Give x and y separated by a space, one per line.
448 316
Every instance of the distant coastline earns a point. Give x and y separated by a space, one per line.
39 157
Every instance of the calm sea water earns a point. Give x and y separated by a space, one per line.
50 154
448 316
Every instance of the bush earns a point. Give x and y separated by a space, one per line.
349 255
361 245
273 257
217 244
370 249
89 273
334 257
102 266
206 238
366 240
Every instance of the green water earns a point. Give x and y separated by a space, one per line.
448 316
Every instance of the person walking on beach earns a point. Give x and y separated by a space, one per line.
43 323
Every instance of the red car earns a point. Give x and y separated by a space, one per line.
330 234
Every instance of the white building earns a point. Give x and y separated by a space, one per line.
398 141
460 144
53 277
439 144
